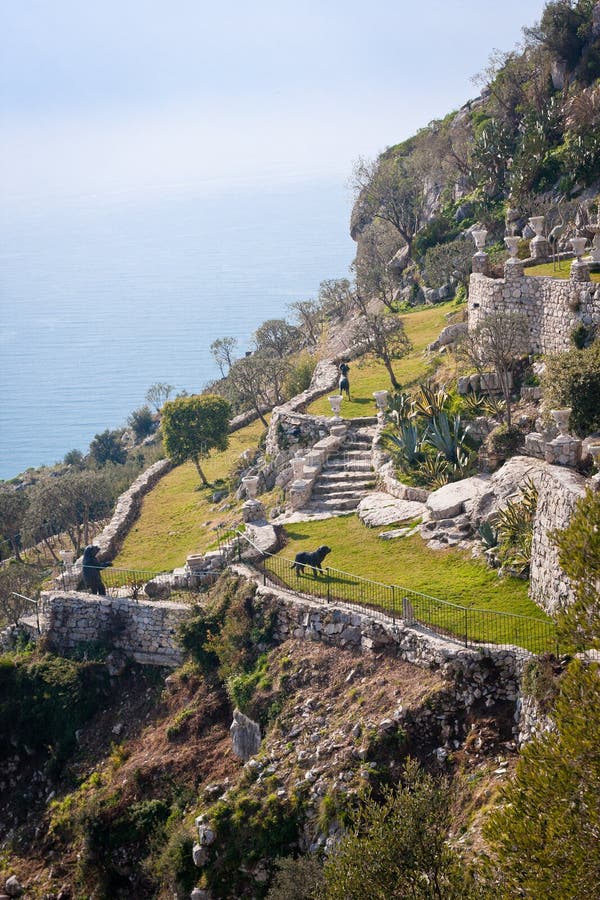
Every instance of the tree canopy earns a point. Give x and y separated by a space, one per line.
193 426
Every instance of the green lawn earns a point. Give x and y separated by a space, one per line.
177 517
368 374
448 575
562 270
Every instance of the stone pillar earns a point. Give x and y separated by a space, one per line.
481 263
564 450
253 511
580 271
513 268
539 248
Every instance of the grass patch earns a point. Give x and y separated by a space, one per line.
369 374
448 575
177 517
563 270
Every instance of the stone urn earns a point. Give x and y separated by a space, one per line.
512 245
250 483
578 245
381 399
479 236
298 466
537 224
561 417
67 558
336 404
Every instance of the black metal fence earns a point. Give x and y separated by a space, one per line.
126 583
470 625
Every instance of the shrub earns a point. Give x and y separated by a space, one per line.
505 440
573 379
141 421
300 375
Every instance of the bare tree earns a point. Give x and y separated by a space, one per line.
223 350
277 337
158 393
391 189
337 297
374 279
13 505
384 336
497 342
258 381
309 315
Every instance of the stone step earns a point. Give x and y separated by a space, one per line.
341 494
346 504
345 478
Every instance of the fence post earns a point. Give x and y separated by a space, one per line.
265 569
394 604
328 581
466 627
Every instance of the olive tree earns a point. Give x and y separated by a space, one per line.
193 426
384 336
13 505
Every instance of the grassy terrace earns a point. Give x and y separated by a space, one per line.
448 575
177 517
368 374
562 270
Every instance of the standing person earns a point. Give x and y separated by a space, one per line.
344 385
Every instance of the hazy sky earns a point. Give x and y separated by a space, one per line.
120 96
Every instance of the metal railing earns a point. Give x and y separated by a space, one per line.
471 626
121 583
18 608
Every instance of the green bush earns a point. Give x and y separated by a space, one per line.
505 440
45 699
573 379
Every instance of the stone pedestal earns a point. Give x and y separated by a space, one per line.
580 271
539 248
299 493
535 445
253 511
513 268
563 451
481 263
338 430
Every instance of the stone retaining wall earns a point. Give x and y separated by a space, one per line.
554 307
558 491
127 510
483 676
145 631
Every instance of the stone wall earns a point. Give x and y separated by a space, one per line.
554 307
484 676
559 490
145 631
127 510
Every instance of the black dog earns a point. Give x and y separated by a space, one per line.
314 560
91 570
345 386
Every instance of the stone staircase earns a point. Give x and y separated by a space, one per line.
347 476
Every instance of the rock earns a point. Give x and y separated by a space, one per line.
199 855
377 509
12 887
449 500
198 894
116 663
157 590
451 333
245 736
501 485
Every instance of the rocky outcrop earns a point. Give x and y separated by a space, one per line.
245 736
377 509
450 500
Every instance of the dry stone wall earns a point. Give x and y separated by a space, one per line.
559 490
553 307
145 631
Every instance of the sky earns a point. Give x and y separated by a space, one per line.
124 97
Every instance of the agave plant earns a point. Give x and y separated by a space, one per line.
430 401
434 471
405 445
400 407
448 438
515 528
483 405
488 535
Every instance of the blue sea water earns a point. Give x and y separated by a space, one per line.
99 300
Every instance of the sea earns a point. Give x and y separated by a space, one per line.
101 298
